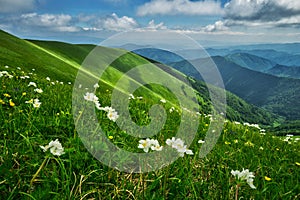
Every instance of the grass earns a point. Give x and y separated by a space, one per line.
29 173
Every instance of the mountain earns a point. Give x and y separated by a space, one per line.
285 71
278 57
159 55
278 95
61 61
250 61
289 48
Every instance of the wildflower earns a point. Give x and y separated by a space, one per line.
24 93
245 175
38 90
110 137
6 95
249 144
6 67
140 98
235 141
96 86
61 83
261 148
2 102
201 141
171 109
178 144
131 96
267 178
36 103
55 148
297 163
112 115
29 101
91 97
163 101
11 103
226 142
69 83
149 144
53 83
48 79
32 84
144 144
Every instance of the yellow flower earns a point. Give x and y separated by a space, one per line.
6 95
24 93
2 102
267 178
110 137
12 104
227 142
297 163
236 141
250 144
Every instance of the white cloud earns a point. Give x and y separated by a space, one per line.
153 26
185 7
261 10
115 23
217 26
12 6
44 22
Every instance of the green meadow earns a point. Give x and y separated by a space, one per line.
31 70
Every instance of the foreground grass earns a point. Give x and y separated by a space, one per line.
26 172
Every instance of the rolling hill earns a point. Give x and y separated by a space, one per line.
62 60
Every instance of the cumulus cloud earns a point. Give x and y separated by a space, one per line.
13 6
116 23
42 22
217 26
264 11
185 7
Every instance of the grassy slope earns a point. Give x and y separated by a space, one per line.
76 175
49 54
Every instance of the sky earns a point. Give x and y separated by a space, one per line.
210 22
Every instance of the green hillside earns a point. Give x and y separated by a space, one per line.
69 58
44 155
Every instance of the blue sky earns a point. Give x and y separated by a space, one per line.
211 22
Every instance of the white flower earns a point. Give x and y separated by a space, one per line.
69 83
112 115
178 144
131 96
289 135
36 103
61 83
38 90
149 143
32 84
96 86
201 141
163 101
140 98
144 144
48 79
91 97
53 83
55 148
245 175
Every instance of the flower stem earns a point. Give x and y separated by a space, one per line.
38 171
237 192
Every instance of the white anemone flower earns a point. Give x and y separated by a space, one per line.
55 148
246 175
89 96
